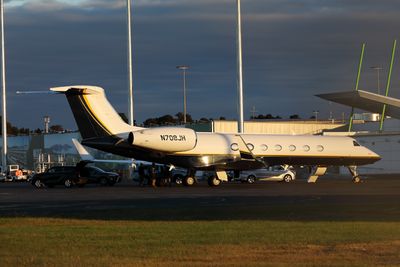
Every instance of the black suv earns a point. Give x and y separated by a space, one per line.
70 175
60 175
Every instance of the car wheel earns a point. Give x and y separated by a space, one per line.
37 183
287 178
214 181
356 179
68 183
103 181
251 179
178 179
189 181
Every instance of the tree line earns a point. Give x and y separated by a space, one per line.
168 119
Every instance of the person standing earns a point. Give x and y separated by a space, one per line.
153 175
142 175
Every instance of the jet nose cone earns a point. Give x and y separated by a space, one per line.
375 156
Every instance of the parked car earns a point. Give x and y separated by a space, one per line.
95 175
273 173
74 175
60 175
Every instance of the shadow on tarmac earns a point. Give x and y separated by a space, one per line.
279 208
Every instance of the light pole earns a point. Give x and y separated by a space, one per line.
46 120
3 78
184 69
316 114
130 74
378 70
239 67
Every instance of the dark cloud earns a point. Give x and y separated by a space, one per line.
292 50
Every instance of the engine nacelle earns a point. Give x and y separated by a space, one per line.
165 139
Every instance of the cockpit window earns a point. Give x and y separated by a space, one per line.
356 144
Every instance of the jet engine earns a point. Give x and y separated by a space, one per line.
165 139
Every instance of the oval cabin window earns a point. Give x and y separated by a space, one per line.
320 148
235 147
306 148
250 146
292 147
278 147
264 147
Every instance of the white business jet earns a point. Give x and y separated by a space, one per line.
102 128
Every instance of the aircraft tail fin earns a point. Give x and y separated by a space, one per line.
93 113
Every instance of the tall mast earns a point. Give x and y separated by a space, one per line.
130 79
3 78
239 69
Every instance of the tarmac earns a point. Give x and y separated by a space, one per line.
331 198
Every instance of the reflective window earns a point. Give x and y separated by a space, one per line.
292 147
355 143
278 147
320 148
306 148
235 147
264 147
250 146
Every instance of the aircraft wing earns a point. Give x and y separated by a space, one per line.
366 101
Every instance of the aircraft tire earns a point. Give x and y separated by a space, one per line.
189 181
357 179
213 181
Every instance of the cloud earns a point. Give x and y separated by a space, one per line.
293 49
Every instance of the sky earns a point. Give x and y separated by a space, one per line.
292 50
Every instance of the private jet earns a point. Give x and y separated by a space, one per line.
102 128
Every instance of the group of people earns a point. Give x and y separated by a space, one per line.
153 176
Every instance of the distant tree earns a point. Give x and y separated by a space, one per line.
180 117
56 128
166 119
204 120
312 117
294 117
269 117
23 131
222 118
37 131
150 122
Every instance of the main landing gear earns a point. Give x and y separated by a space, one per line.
190 178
